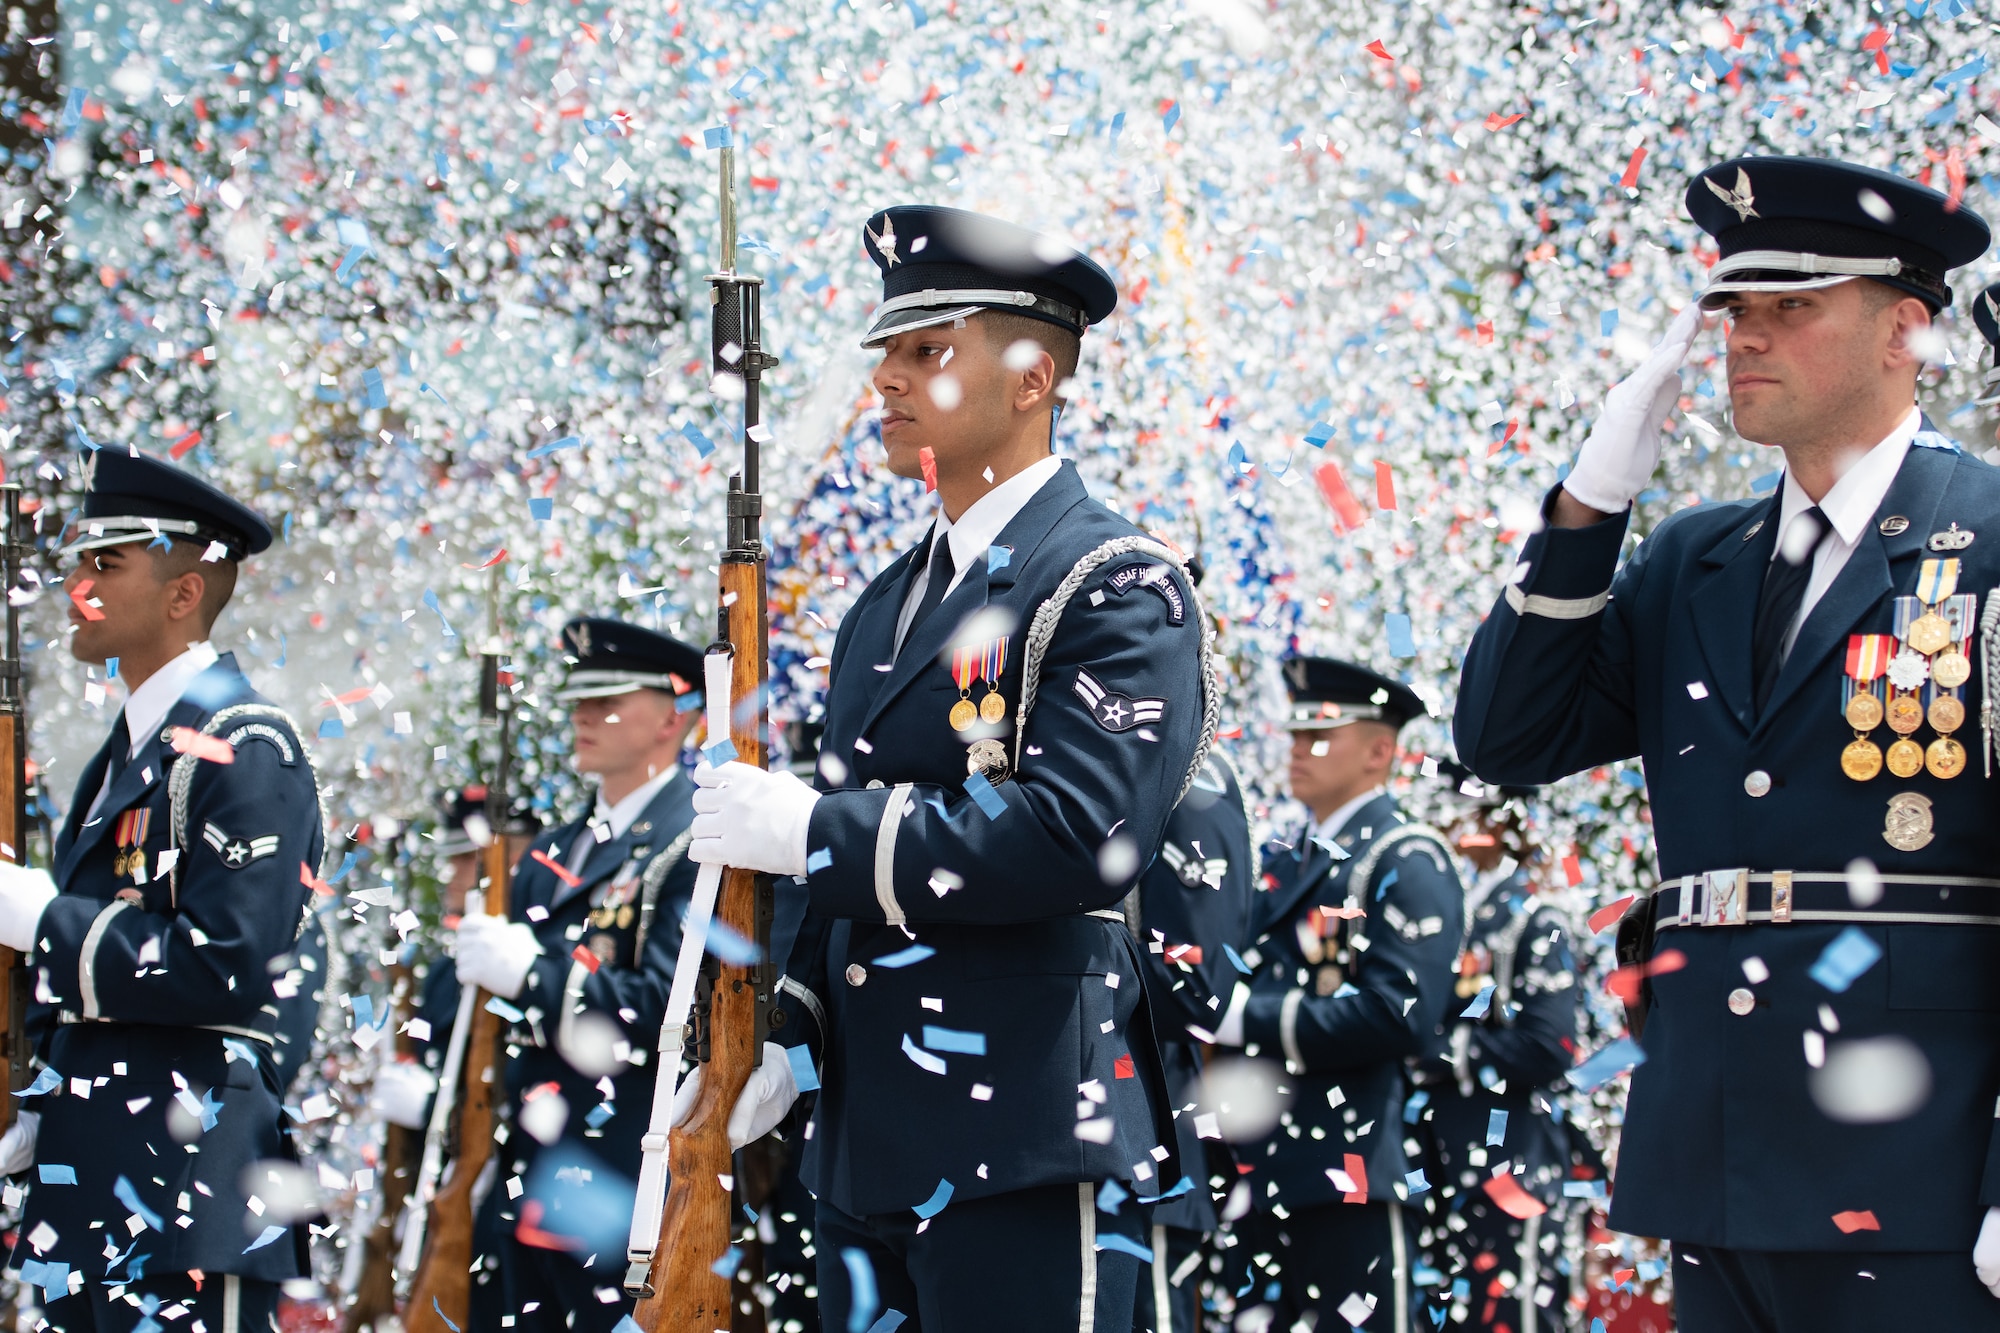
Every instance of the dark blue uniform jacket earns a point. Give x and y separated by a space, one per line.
159 1013
1194 905
964 1002
1345 1001
1724 1142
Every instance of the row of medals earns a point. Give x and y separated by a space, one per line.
1930 635
986 755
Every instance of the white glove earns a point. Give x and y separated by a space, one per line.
17 1145
1986 1252
751 819
402 1093
495 955
766 1097
1229 1032
1618 459
24 895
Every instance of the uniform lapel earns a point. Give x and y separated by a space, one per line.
1023 534
1867 575
79 808
1312 862
145 771
1724 603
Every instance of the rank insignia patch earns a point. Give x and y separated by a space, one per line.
239 852
1115 711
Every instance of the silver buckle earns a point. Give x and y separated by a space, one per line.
1726 891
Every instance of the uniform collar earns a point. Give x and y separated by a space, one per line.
987 517
622 815
1334 824
147 706
1851 505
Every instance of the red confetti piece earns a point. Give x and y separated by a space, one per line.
586 957
1572 868
180 447
556 868
1954 172
928 461
1385 485
314 882
1851 1222
212 748
1184 953
1611 912
1379 51
79 594
1357 1171
491 560
1631 176
1348 514
1511 1199
1496 121
1625 982
1122 1068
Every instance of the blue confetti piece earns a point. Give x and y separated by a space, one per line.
371 384
330 729
916 953
862 1300
1124 1245
362 1005
1401 643
934 1205
53 1279
541 508
46 1081
501 1009
1184 1186
1851 953
890 1321
731 947
1606 1065
329 40
1167 123
1415 1183
123 1192
1496 1128
1235 960
804 1077
111 663
951 1039
1607 323
998 557
431 601
918 18
719 753
600 1113
556 446
731 1260
717 137
982 794
1972 68
819 860
53 1174
697 437
1109 1195
1413 1106
628 1325
434 1305
344 275
1319 434
443 165
345 866
1481 1004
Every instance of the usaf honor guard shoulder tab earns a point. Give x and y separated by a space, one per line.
1157 577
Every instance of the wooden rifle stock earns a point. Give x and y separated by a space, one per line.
13 800
396 1174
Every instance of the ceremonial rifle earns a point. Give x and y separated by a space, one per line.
441 1293
13 796
717 1013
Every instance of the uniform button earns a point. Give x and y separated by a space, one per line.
856 974
1758 783
1741 1001
876 784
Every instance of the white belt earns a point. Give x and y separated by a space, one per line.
1727 898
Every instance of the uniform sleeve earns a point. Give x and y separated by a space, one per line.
634 997
1400 985
1184 927
1547 688
1031 847
240 906
1534 1045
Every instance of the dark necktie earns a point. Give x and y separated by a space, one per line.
940 580
121 751
1784 591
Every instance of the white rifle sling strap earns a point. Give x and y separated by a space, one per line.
443 1107
651 1203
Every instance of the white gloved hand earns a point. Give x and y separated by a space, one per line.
24 895
1229 1032
765 1100
751 819
495 955
17 1145
402 1093
1618 459
1986 1252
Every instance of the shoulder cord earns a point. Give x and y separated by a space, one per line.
1364 869
649 887
1042 631
1989 641
181 779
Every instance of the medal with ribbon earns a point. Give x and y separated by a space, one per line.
131 839
1907 672
1929 633
1945 757
993 661
964 666
1861 702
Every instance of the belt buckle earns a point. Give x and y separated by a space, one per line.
1726 891
1685 917
1781 896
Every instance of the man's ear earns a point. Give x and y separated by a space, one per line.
1910 321
184 594
1037 388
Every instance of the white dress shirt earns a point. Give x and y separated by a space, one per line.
1331 827
1850 507
621 816
147 707
983 521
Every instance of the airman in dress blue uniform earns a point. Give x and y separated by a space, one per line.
585 964
1357 936
1014 709
1806 677
1192 907
1509 1037
181 881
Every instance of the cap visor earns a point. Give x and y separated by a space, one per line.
1322 723
99 542
600 690
885 326
1717 293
